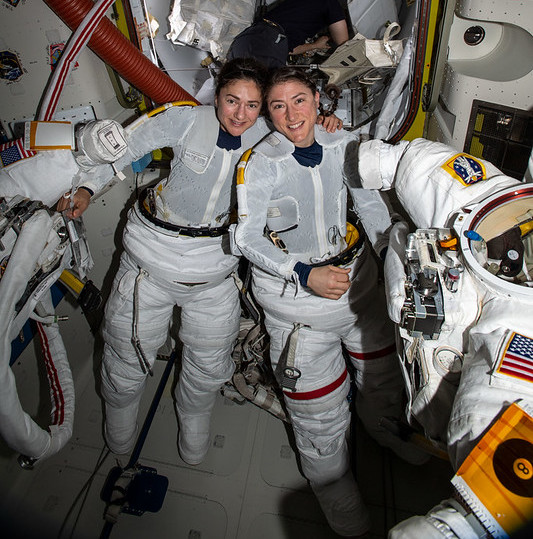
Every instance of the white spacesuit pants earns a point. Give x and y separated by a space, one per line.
209 326
318 408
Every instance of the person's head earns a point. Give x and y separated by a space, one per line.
239 94
292 103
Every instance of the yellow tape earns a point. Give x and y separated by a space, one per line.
352 234
72 281
242 165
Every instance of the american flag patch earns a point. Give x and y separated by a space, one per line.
13 151
517 358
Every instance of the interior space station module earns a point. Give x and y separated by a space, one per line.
459 265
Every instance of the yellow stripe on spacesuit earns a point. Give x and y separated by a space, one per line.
75 284
139 121
526 228
241 165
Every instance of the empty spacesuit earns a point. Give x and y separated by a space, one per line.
459 289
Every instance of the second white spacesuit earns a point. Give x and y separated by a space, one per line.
484 337
305 206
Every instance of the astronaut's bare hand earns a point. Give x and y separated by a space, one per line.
329 281
63 203
322 43
330 123
76 207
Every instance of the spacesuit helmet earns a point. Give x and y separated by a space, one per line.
496 239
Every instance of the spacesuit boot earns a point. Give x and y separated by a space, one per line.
380 386
343 506
193 437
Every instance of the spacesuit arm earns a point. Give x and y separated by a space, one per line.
431 180
254 190
374 215
377 163
166 129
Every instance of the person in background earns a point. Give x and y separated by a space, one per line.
288 28
316 280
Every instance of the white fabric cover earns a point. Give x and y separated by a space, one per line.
209 25
357 320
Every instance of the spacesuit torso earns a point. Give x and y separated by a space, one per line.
198 192
478 358
307 205
199 188
451 185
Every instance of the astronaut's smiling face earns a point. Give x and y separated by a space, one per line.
238 105
293 110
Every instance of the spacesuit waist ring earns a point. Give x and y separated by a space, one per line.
195 232
349 254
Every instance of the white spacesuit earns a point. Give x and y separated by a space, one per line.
38 246
304 211
176 253
459 289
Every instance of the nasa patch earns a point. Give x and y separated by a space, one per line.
466 169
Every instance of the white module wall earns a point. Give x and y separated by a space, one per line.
497 70
31 34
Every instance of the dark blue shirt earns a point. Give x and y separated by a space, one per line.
302 19
227 141
310 156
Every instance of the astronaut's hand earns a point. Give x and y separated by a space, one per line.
80 202
329 282
330 123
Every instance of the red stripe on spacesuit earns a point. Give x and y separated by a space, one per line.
518 371
517 374
53 379
374 355
316 393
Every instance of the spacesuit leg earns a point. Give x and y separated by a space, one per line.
123 378
371 346
447 520
209 328
320 417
